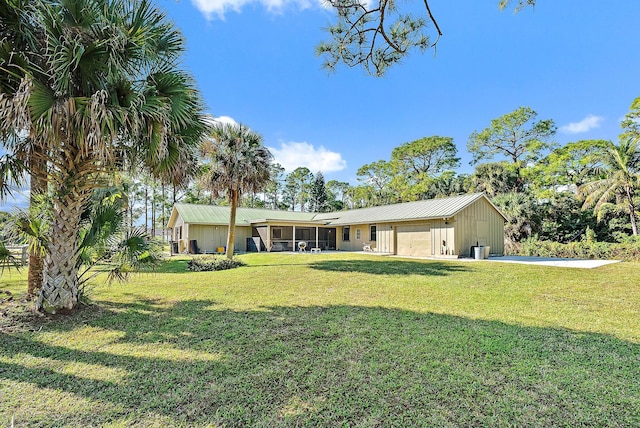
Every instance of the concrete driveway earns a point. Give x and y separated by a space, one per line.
550 261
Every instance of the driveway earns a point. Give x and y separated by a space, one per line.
550 261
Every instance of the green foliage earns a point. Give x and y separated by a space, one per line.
514 136
376 35
338 194
273 188
619 181
238 161
318 195
205 264
563 219
132 252
522 213
7 260
426 157
631 122
573 164
494 178
585 249
298 188
378 178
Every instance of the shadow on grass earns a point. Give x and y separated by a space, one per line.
319 366
390 267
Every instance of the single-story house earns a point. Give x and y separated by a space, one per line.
437 227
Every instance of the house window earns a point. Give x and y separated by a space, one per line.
372 234
358 237
276 233
179 232
345 233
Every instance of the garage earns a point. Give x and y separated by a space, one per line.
413 240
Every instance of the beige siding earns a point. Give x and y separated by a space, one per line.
479 223
414 239
209 238
385 242
180 234
443 238
355 242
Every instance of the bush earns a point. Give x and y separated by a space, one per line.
627 251
205 264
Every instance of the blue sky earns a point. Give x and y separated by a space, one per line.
574 61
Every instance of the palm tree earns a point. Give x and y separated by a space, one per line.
240 163
619 179
106 96
19 37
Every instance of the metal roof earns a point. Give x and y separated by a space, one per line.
419 210
213 214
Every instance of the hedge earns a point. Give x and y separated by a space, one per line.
202 264
579 250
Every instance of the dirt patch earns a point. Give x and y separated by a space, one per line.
17 314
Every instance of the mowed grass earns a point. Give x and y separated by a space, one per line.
332 340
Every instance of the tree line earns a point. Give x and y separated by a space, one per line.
556 193
93 103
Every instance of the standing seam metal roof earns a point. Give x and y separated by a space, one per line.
214 214
419 210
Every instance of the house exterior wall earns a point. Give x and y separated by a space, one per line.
480 223
356 241
443 238
413 239
209 238
180 237
385 242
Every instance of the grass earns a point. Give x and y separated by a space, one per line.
332 340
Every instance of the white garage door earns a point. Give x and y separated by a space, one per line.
413 240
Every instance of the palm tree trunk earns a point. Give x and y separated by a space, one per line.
38 186
164 222
146 209
60 287
632 211
232 224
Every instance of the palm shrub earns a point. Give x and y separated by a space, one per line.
619 179
7 260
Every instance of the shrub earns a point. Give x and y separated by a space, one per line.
203 264
587 249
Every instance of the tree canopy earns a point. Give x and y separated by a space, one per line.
381 33
96 89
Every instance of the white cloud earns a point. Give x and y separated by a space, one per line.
293 155
224 120
218 8
588 123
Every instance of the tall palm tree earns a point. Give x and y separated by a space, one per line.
105 96
619 180
240 163
19 39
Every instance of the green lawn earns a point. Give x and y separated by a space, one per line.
332 340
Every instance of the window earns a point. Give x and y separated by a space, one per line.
276 233
345 233
358 237
372 230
